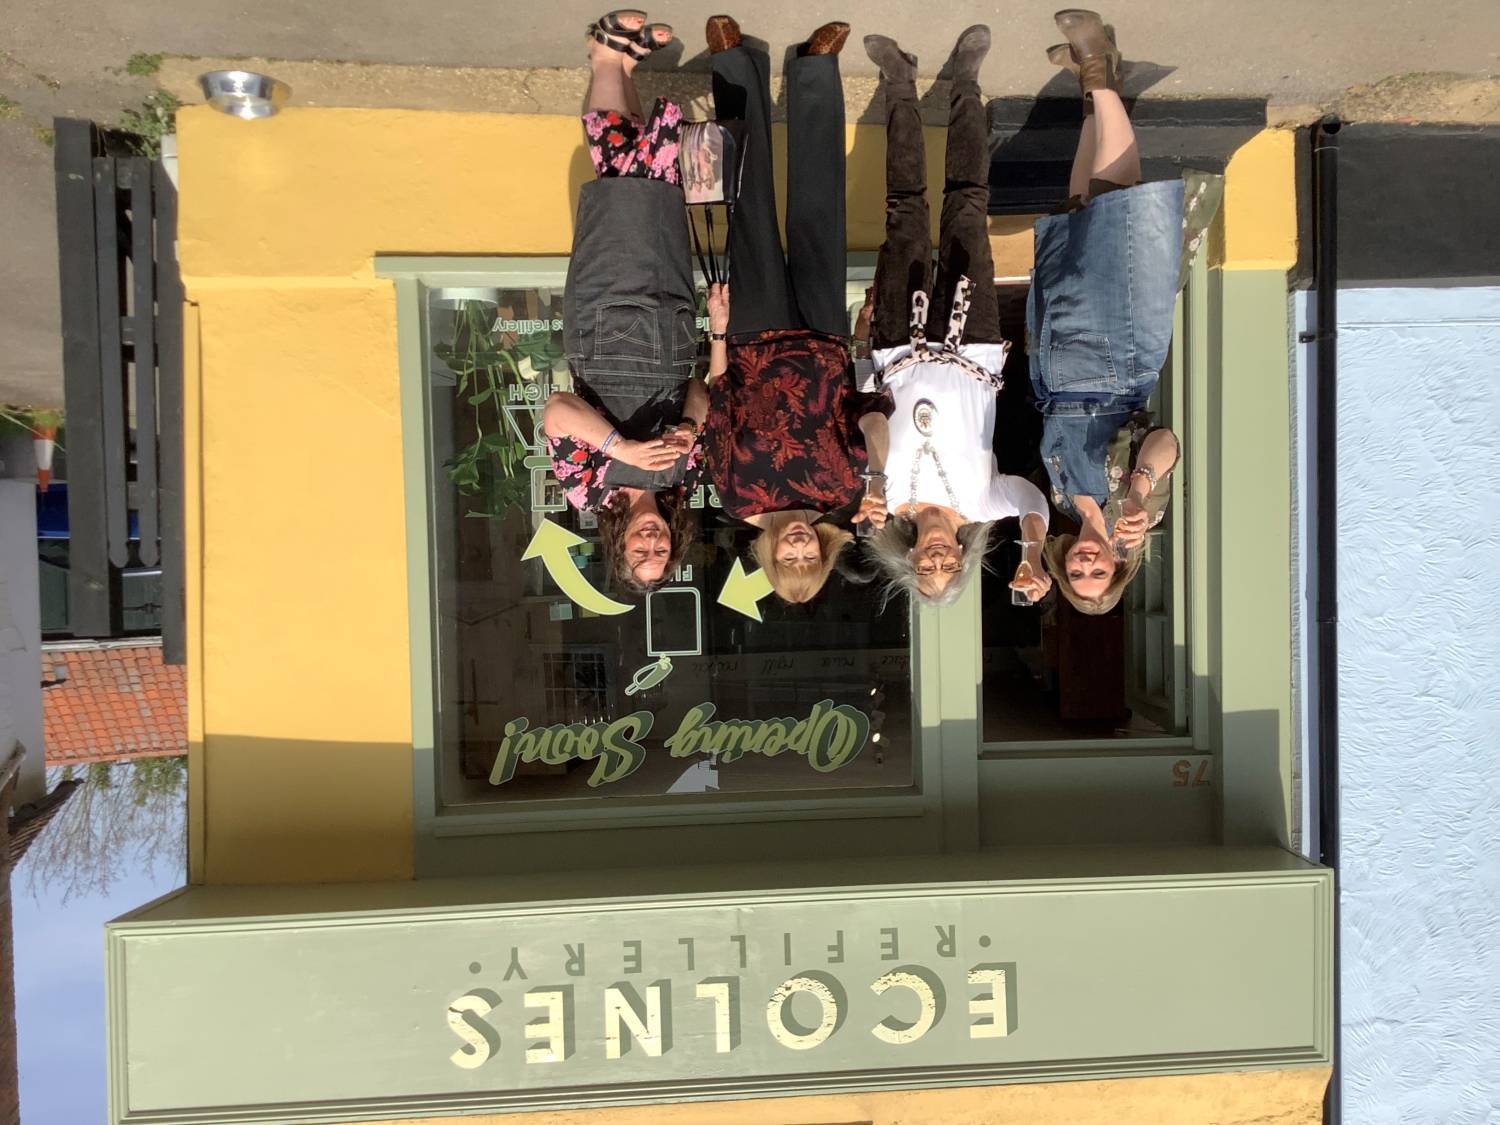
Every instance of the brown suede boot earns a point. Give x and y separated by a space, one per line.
896 66
1092 47
722 33
827 40
972 46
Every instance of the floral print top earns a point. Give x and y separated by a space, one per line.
584 472
783 425
624 146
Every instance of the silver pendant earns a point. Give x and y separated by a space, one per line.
923 416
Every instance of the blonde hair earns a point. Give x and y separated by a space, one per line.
797 584
1055 559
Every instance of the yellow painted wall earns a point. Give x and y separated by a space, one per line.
1260 204
299 695
1275 1097
301 730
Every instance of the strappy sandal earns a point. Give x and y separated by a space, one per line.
648 40
638 43
612 32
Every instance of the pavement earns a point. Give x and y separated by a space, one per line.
1399 59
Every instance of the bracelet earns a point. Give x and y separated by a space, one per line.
718 337
867 475
614 436
1143 471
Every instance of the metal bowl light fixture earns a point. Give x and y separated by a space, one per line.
243 93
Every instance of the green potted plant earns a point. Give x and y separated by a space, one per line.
42 424
492 466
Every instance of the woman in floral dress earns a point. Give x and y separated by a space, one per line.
624 441
790 440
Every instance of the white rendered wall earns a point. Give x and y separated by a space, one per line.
1419 703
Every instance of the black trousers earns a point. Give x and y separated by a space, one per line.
963 239
803 288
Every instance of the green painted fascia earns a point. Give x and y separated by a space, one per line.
192 936
1249 673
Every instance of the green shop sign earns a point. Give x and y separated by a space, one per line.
548 991
831 736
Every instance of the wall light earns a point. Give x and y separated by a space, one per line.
243 93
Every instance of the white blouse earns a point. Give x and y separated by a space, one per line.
961 442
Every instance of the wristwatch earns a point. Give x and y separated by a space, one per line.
719 336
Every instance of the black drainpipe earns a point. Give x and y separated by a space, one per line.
1324 459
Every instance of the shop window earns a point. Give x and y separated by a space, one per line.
552 684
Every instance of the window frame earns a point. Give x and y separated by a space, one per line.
945 723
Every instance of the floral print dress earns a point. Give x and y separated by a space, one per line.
584 472
783 425
625 146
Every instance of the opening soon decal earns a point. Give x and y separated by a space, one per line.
829 737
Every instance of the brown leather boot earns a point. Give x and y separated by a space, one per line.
722 33
827 40
1060 54
1093 48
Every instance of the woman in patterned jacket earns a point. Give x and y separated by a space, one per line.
790 440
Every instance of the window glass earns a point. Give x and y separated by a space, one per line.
552 683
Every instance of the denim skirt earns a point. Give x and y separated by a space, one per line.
1102 294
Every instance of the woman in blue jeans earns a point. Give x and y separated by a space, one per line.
1099 318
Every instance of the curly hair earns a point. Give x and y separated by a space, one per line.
614 518
892 545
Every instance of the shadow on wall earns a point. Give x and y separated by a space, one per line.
268 810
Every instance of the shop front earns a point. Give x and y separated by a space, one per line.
471 832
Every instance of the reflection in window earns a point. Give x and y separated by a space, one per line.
544 693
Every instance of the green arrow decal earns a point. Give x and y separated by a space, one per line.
742 591
551 544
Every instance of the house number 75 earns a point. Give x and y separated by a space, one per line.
1184 775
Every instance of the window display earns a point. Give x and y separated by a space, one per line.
557 680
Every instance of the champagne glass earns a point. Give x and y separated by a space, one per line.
1117 546
1024 575
874 487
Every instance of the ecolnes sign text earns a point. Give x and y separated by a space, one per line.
800 1010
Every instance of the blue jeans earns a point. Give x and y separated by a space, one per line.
1105 282
1100 320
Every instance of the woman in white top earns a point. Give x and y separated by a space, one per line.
942 486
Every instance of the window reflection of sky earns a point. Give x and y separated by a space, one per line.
121 855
